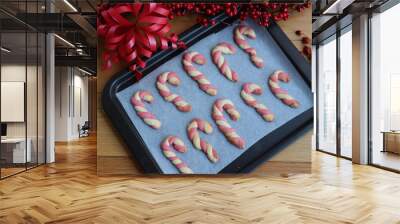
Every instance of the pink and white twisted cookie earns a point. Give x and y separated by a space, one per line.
240 34
173 79
278 91
167 146
196 75
137 102
193 132
219 60
251 88
219 107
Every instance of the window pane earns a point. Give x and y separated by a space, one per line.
385 89
14 153
31 97
32 86
23 80
327 97
346 94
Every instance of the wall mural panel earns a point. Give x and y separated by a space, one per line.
215 106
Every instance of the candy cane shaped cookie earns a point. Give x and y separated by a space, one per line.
137 102
193 132
173 79
241 32
196 75
219 107
167 146
278 91
251 88
219 60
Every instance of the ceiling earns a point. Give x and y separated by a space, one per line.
74 21
330 15
34 6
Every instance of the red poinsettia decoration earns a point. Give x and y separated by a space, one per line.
133 32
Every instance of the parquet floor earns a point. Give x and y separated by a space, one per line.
70 192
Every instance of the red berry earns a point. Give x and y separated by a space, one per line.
306 40
307 51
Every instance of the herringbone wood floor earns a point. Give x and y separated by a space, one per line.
70 192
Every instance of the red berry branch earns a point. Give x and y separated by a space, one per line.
262 13
306 41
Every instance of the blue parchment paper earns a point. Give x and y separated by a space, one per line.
250 126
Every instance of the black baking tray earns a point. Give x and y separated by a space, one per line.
258 152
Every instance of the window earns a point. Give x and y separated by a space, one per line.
385 89
334 94
346 93
327 96
22 75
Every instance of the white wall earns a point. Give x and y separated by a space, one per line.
13 101
33 126
17 73
61 103
71 94
80 110
12 73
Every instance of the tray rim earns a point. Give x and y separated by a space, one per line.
248 160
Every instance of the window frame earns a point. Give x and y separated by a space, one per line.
333 37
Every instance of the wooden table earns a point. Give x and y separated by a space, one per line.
113 157
391 141
13 150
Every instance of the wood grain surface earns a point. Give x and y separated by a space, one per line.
114 158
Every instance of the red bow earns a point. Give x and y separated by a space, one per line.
136 39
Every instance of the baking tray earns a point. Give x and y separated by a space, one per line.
143 141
